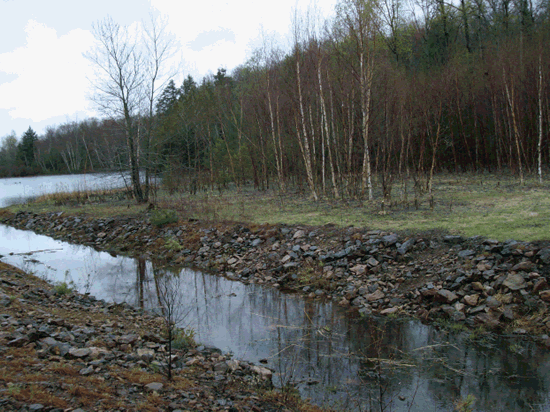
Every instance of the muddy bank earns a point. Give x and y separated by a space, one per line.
60 349
501 286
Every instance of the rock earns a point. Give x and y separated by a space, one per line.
5 300
154 387
389 311
79 352
466 253
406 246
446 296
545 295
233 364
359 270
525 266
145 354
126 339
264 373
487 319
514 282
478 286
471 299
375 296
87 371
454 314
299 234
544 255
221 367
492 302
390 239
372 262
18 342
36 407
453 239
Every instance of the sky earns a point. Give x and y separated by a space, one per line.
45 80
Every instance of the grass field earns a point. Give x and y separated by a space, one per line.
487 205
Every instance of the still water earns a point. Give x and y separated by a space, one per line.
333 357
19 189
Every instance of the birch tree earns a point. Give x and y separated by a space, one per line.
118 84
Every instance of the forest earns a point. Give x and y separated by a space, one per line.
379 94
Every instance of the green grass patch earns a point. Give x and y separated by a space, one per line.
494 206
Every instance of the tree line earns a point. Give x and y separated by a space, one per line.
374 96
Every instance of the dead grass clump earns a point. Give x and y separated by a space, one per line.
140 376
37 394
63 370
84 395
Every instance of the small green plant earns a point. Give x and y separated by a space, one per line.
161 217
516 348
171 243
184 339
466 404
62 288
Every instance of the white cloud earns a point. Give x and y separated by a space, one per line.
243 18
51 74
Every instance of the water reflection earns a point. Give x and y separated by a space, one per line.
334 358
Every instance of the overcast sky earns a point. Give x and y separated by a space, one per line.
43 75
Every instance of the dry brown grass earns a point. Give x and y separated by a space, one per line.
37 394
140 377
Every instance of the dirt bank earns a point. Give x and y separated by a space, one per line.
501 286
60 351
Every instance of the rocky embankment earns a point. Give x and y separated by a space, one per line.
498 285
62 351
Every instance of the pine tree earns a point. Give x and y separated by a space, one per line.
168 98
25 149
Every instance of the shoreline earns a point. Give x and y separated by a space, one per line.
61 349
478 282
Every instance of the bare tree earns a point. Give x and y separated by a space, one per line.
172 308
159 49
118 83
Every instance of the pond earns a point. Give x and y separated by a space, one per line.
333 357
20 189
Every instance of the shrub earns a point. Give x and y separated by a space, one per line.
161 217
184 339
62 288
171 243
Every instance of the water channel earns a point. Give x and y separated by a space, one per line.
334 357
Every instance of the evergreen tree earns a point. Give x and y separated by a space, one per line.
168 98
25 149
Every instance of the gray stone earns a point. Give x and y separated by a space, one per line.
36 407
5 300
544 255
233 364
154 386
453 239
221 367
390 239
406 246
375 296
447 296
453 313
79 352
545 295
492 302
299 234
524 266
466 253
372 262
87 371
264 373
514 282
